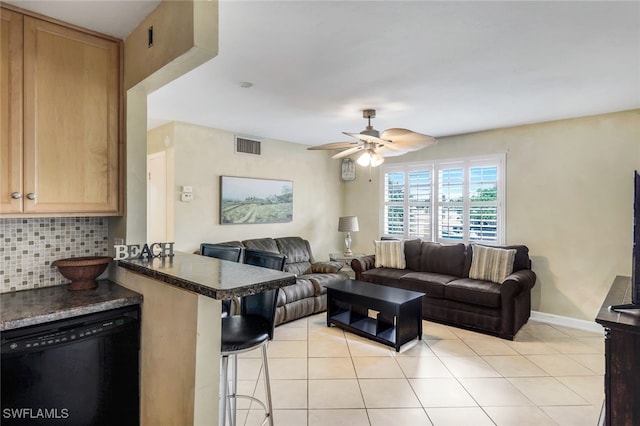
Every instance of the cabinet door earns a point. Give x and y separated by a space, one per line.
11 112
71 97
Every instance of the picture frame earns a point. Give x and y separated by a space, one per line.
348 169
245 200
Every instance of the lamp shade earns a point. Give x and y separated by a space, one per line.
348 224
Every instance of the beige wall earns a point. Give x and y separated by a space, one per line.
185 35
569 199
203 154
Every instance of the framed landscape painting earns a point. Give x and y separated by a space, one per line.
250 200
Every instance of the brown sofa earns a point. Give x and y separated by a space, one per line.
308 295
441 271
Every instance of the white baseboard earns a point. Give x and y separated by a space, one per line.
567 322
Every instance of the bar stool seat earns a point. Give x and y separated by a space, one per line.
240 332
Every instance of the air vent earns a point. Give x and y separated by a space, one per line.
248 146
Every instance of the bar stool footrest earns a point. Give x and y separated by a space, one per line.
253 398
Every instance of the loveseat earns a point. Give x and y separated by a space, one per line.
308 295
442 271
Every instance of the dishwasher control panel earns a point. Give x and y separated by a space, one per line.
60 337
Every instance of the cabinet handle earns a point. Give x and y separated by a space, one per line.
31 196
16 195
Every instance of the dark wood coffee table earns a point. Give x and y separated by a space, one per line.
398 317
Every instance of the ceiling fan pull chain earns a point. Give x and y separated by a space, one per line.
369 172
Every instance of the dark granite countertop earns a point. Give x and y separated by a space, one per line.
208 276
41 305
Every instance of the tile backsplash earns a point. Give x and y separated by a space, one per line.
29 246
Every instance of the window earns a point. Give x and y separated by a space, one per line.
457 200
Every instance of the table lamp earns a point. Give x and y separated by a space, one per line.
348 224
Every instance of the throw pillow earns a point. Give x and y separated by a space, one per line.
390 254
491 263
324 268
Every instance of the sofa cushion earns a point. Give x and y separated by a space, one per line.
298 309
412 250
390 254
491 263
264 244
295 248
297 269
303 288
428 283
445 259
232 244
383 275
298 252
475 292
521 261
282 298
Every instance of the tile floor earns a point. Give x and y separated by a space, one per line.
549 375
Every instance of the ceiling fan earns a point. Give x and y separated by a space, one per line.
376 145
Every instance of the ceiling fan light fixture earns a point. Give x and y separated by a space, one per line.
376 159
365 159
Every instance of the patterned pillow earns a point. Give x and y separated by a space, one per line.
390 254
491 264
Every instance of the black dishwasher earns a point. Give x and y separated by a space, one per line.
78 371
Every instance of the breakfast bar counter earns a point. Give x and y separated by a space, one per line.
207 276
181 330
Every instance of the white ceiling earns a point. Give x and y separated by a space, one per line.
439 68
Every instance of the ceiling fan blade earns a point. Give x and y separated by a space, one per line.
408 140
348 152
365 138
334 145
386 152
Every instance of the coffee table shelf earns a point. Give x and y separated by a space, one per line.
399 312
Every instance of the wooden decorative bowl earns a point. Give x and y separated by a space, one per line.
82 271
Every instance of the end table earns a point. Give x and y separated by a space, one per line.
346 261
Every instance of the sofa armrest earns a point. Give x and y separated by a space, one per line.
324 268
516 282
515 294
362 264
522 280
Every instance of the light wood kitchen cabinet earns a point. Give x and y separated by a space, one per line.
70 136
10 111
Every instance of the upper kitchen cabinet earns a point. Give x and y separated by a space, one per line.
10 111
70 136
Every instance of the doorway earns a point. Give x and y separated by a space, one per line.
157 197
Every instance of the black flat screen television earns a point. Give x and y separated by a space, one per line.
635 260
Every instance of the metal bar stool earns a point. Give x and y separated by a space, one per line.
252 329
220 251
223 252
